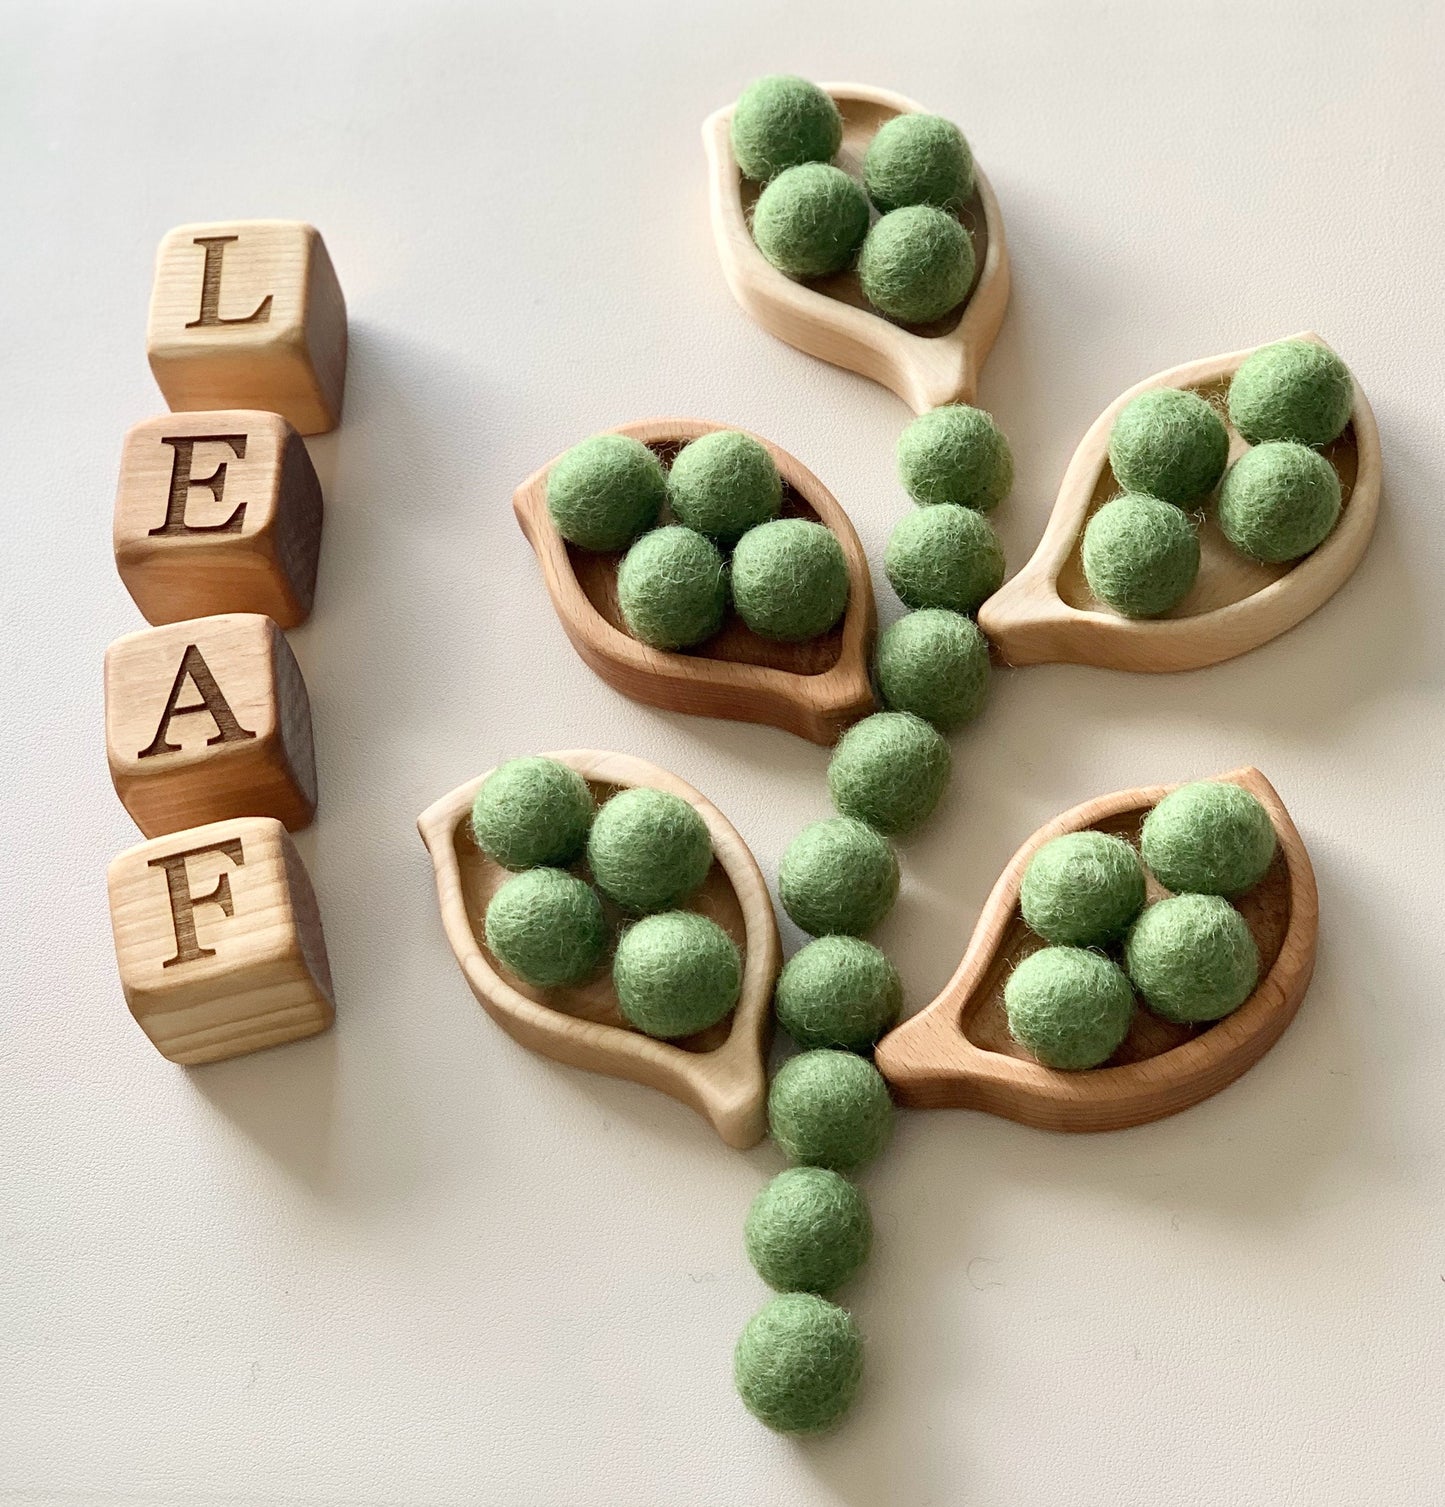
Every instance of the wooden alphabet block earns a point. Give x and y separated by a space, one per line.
249 314
218 940
218 512
206 720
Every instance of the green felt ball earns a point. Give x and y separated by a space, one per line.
1279 501
672 588
944 556
933 663
1070 1008
1192 958
780 121
1169 443
1208 838
1082 889
838 878
676 973
723 484
955 454
798 1364
604 492
649 849
918 159
1141 555
790 579
811 220
830 1109
916 264
808 1231
547 927
532 811
1294 390
838 992
889 770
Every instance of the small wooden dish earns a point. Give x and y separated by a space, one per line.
958 1053
829 317
814 689
718 1072
1048 615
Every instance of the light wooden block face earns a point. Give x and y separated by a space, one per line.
218 511
249 314
206 720
219 943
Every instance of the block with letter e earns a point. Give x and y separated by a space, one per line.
218 511
249 314
218 940
209 719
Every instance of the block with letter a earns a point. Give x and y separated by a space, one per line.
249 314
209 719
218 939
218 511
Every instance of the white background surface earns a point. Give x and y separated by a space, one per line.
408 1263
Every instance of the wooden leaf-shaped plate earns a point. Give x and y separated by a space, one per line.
1048 615
829 317
719 1072
814 689
958 1053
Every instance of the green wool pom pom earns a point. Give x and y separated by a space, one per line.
808 1231
1192 957
781 121
918 159
838 992
830 1109
649 850
1294 390
1141 555
838 877
672 588
811 220
790 579
944 556
723 484
1069 1007
547 927
676 974
604 492
889 770
532 811
916 264
1208 838
934 663
798 1364
955 454
1169 443
1279 501
1082 889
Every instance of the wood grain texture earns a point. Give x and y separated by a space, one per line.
957 1053
218 941
249 314
926 365
206 720
218 511
1046 614
720 1072
815 689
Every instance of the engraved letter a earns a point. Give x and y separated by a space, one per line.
195 669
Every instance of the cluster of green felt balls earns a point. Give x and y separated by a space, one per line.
798 1363
725 546
1190 957
916 262
1169 451
641 856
